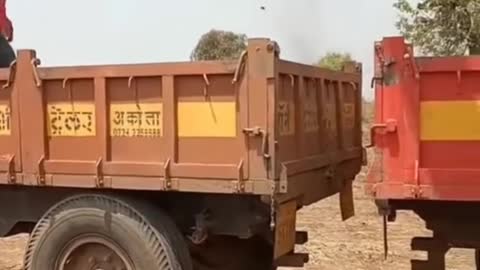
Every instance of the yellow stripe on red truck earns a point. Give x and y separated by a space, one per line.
450 120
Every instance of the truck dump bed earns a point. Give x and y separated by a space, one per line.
254 126
426 131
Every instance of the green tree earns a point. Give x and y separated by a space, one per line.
219 45
441 27
334 60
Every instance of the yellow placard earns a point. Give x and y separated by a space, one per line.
207 119
450 120
286 118
136 120
70 119
5 120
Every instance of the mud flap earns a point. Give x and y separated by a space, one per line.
285 228
347 207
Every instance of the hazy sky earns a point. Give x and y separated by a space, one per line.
67 32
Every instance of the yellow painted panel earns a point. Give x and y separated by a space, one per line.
450 120
5 120
207 119
136 120
71 119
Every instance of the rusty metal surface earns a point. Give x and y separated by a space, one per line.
319 129
285 229
257 126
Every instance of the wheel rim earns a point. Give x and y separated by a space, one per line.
93 252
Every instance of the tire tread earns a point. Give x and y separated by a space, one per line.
158 236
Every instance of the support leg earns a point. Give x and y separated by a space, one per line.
477 259
436 249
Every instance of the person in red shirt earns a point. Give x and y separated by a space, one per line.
7 54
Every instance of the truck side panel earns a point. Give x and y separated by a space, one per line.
131 126
319 129
136 138
259 125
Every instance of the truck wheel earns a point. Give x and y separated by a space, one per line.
100 232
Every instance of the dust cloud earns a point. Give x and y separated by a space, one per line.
294 25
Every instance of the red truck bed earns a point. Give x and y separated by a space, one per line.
426 134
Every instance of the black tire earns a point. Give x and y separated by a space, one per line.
7 54
231 253
147 246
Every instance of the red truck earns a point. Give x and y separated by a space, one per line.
426 139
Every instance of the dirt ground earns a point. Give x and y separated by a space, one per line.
358 243
355 244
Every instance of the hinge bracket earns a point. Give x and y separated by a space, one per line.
240 184
41 171
283 181
11 177
166 175
416 172
99 180
415 191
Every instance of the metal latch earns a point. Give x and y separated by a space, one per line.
389 127
256 132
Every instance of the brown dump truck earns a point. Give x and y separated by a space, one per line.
196 165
